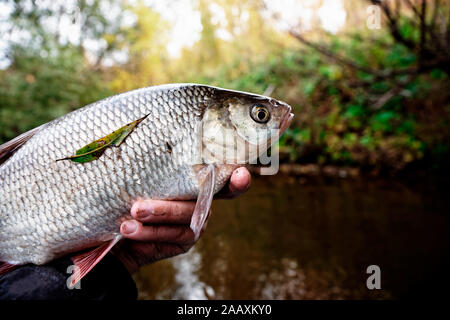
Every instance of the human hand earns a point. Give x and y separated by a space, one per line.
161 229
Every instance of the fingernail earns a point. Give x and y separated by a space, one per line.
145 210
129 227
239 172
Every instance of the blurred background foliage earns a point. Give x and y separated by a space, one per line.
375 98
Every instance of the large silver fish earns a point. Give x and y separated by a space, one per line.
68 184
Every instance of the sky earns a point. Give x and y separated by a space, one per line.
186 23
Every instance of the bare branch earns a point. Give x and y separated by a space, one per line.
428 59
413 7
432 29
424 27
425 66
385 98
333 56
395 32
423 35
436 5
269 90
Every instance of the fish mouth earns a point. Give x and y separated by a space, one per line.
286 122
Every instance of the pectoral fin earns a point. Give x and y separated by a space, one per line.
6 267
87 260
206 183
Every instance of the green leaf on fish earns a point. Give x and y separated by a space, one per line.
95 149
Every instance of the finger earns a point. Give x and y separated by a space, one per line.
239 183
178 234
153 251
161 211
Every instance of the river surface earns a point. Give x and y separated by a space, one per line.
305 238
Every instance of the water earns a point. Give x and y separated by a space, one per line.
297 238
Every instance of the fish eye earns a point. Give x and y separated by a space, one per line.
260 113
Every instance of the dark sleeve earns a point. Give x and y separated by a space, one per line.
108 280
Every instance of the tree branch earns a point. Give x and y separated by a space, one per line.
413 7
395 32
426 65
333 56
423 34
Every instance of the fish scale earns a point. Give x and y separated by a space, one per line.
49 208
76 183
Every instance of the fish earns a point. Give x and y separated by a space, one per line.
67 185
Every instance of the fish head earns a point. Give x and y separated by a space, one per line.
238 127
258 119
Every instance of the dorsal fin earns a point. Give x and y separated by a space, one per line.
8 148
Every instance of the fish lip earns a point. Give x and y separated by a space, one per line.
286 121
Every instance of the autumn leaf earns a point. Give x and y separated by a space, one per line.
95 149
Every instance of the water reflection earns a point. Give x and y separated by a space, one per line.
188 285
293 238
